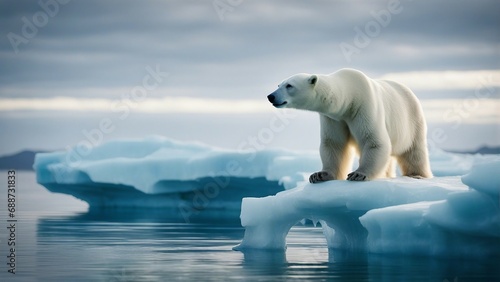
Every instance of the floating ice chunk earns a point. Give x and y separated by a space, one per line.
339 204
465 224
439 217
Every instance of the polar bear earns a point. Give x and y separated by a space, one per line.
380 119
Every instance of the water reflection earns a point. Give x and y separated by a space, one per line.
115 247
268 263
149 246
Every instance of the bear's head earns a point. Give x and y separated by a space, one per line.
297 91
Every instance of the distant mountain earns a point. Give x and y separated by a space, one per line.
485 150
20 161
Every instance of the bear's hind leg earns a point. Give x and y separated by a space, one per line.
415 162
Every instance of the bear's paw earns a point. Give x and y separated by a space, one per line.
320 176
356 176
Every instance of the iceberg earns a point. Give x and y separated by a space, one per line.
158 172
455 216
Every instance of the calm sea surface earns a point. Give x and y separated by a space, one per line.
58 240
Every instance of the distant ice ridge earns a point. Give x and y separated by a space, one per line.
444 216
159 172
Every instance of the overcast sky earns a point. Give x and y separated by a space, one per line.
223 56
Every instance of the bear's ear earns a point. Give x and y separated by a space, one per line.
313 79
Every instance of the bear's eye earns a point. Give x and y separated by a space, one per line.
289 86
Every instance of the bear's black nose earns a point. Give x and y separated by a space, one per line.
270 97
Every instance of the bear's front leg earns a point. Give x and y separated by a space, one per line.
374 157
334 150
320 176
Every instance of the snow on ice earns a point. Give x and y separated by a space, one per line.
455 213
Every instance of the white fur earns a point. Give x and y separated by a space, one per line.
380 119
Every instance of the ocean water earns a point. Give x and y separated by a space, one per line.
57 239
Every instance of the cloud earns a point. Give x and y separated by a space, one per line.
462 111
472 110
152 105
96 44
444 80
93 52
